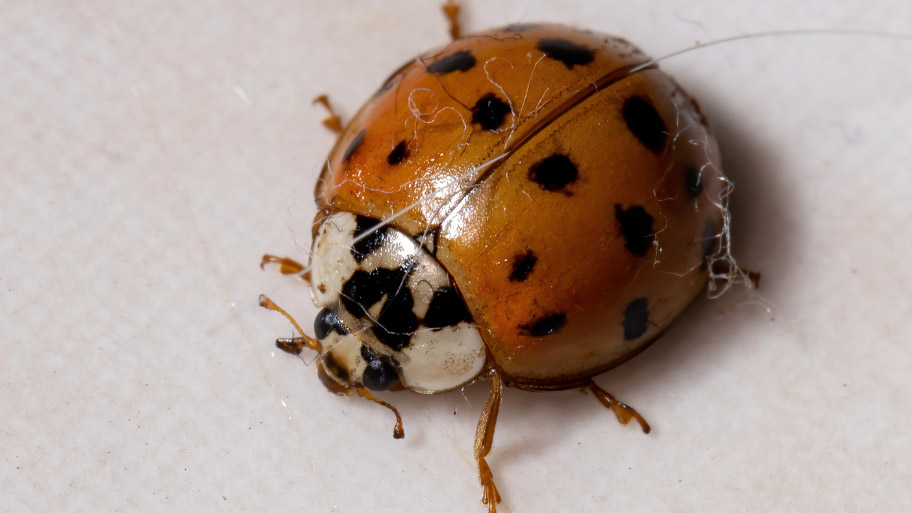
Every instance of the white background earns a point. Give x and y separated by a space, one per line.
151 151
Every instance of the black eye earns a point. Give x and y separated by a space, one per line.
327 321
379 375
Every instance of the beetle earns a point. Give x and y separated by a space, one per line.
532 205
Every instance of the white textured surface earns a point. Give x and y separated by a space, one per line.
152 151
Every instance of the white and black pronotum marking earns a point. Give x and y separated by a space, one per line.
390 310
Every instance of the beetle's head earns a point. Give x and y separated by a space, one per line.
345 366
346 363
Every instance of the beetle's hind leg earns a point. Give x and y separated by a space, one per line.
623 412
484 436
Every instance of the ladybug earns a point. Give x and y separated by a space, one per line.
532 205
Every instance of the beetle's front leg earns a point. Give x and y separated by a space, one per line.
286 266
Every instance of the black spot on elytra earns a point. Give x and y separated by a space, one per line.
371 242
520 27
644 121
379 374
544 325
326 321
554 173
446 309
353 146
396 322
710 238
568 52
636 227
489 112
462 60
693 178
333 367
523 263
399 153
636 318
